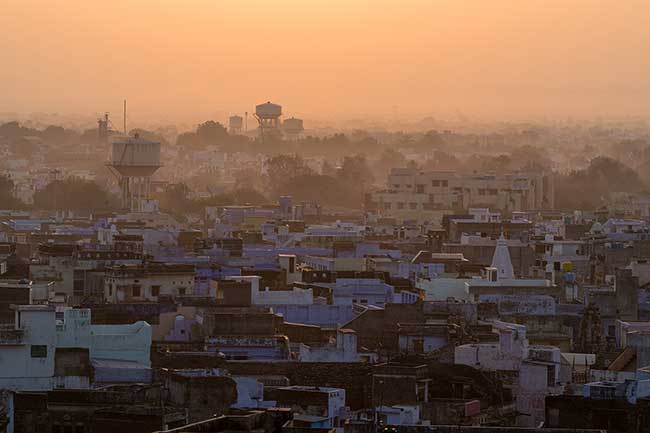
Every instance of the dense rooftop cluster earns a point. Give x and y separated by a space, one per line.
385 294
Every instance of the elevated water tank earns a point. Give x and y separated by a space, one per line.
293 126
135 157
235 123
268 111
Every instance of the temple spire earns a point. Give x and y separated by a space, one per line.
501 260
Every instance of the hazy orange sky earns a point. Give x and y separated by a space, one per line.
326 58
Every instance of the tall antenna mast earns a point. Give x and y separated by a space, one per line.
125 117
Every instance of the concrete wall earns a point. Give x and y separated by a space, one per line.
326 315
204 396
166 327
430 343
250 392
507 355
75 330
19 368
122 342
627 300
121 289
344 351
363 291
440 289
353 377
283 297
531 393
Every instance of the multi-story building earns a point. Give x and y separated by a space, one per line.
323 406
41 352
413 194
148 282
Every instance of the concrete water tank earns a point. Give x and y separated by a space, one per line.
134 156
268 111
293 126
236 122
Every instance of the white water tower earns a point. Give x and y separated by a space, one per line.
268 117
134 160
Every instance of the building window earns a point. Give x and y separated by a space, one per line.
550 375
38 351
444 183
181 291
419 189
413 206
400 205
554 417
418 345
136 291
155 291
435 183
481 191
493 191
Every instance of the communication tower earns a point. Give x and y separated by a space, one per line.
104 128
134 160
268 117
235 124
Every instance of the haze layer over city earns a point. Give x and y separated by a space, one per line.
328 59
324 216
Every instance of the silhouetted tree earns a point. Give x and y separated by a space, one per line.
7 199
211 133
389 159
356 172
149 135
285 167
442 160
74 193
59 136
330 191
13 130
248 178
327 169
173 198
528 157
188 140
588 188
